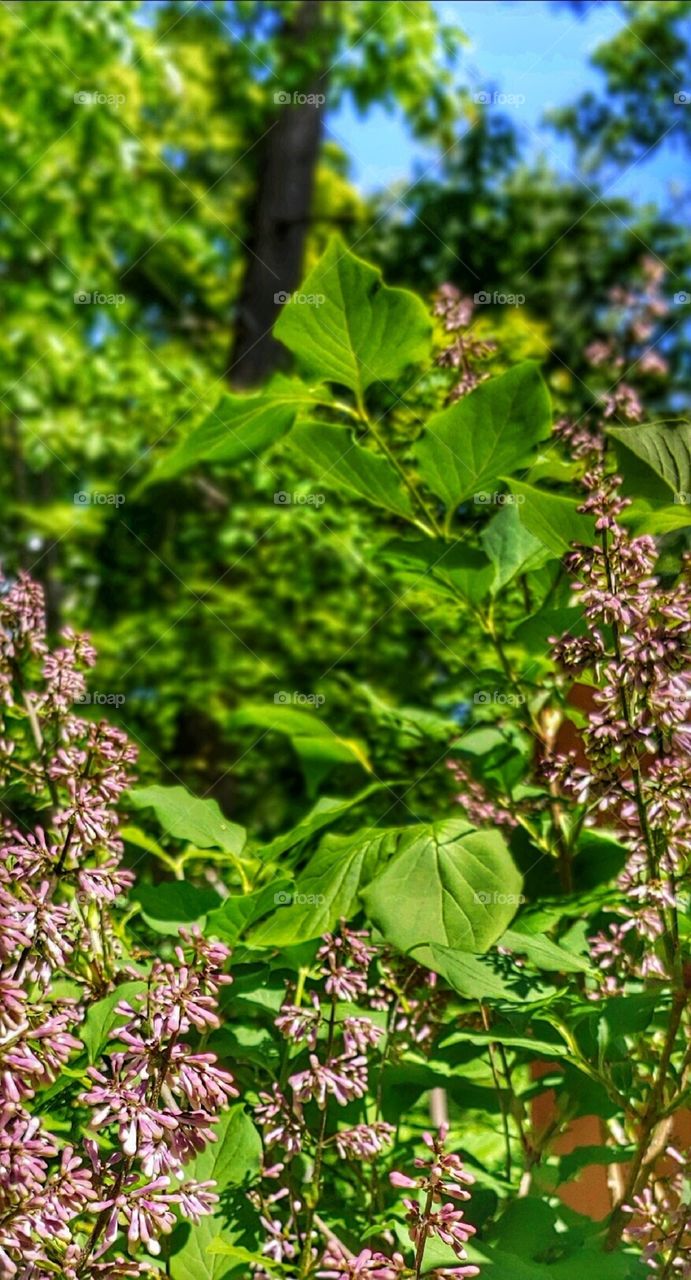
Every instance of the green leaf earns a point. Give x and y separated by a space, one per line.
413 724
282 717
498 753
362 332
574 1162
595 1261
101 1018
484 742
511 547
190 818
627 1015
229 1161
495 1264
240 426
599 859
133 835
468 975
543 953
499 1264
167 906
238 911
656 520
533 633
467 448
339 461
236 1253
498 1035
324 813
553 520
447 884
234 1156
318 756
527 1228
436 565
550 466
327 889
311 735
655 460
606 1266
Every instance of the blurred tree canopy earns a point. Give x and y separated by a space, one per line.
491 223
128 210
646 70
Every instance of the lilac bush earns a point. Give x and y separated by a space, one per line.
360 1101
95 1201
346 1052
117 1178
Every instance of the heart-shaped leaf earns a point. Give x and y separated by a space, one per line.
447 884
356 330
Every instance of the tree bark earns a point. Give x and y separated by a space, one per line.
282 205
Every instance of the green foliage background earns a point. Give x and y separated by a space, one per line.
201 593
307 665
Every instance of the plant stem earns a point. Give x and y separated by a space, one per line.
560 848
673 1250
409 484
422 1242
492 1049
306 1255
651 1118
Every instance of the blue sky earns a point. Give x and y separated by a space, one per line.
520 47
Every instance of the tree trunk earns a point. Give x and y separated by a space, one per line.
280 216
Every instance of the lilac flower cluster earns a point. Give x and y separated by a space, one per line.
456 312
636 740
367 1265
152 1100
431 1214
632 320
415 1003
478 805
340 1052
661 1219
335 1055
581 438
160 1097
638 735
